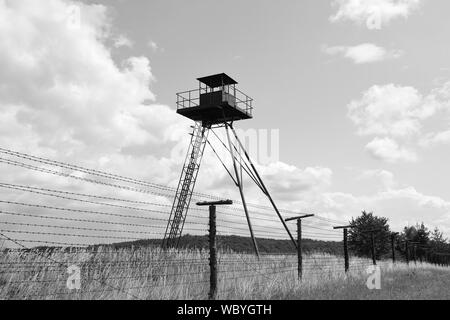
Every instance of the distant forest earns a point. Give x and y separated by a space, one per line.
244 244
235 244
423 243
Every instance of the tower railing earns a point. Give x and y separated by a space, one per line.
191 99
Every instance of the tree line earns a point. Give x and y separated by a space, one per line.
417 240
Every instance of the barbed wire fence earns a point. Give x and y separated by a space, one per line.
90 234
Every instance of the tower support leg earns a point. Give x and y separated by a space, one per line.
263 188
241 191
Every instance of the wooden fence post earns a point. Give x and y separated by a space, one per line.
212 244
415 254
299 243
372 239
407 252
212 253
346 260
393 247
299 249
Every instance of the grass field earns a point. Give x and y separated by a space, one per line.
423 282
153 274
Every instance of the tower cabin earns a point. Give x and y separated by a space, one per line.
216 101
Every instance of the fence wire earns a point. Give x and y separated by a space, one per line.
104 242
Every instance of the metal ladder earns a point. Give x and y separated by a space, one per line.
186 185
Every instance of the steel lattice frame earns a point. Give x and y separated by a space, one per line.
188 179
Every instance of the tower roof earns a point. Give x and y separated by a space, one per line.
217 80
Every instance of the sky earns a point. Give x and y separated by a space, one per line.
359 92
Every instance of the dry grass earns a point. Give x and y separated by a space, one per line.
398 282
147 273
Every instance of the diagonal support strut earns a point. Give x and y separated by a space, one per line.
241 191
263 187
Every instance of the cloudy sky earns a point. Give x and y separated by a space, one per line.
359 91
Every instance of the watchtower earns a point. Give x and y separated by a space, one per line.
216 103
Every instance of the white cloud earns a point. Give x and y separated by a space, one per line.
363 53
153 45
403 206
289 182
440 99
64 96
123 41
388 150
424 201
374 13
432 139
285 182
385 177
396 116
389 110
